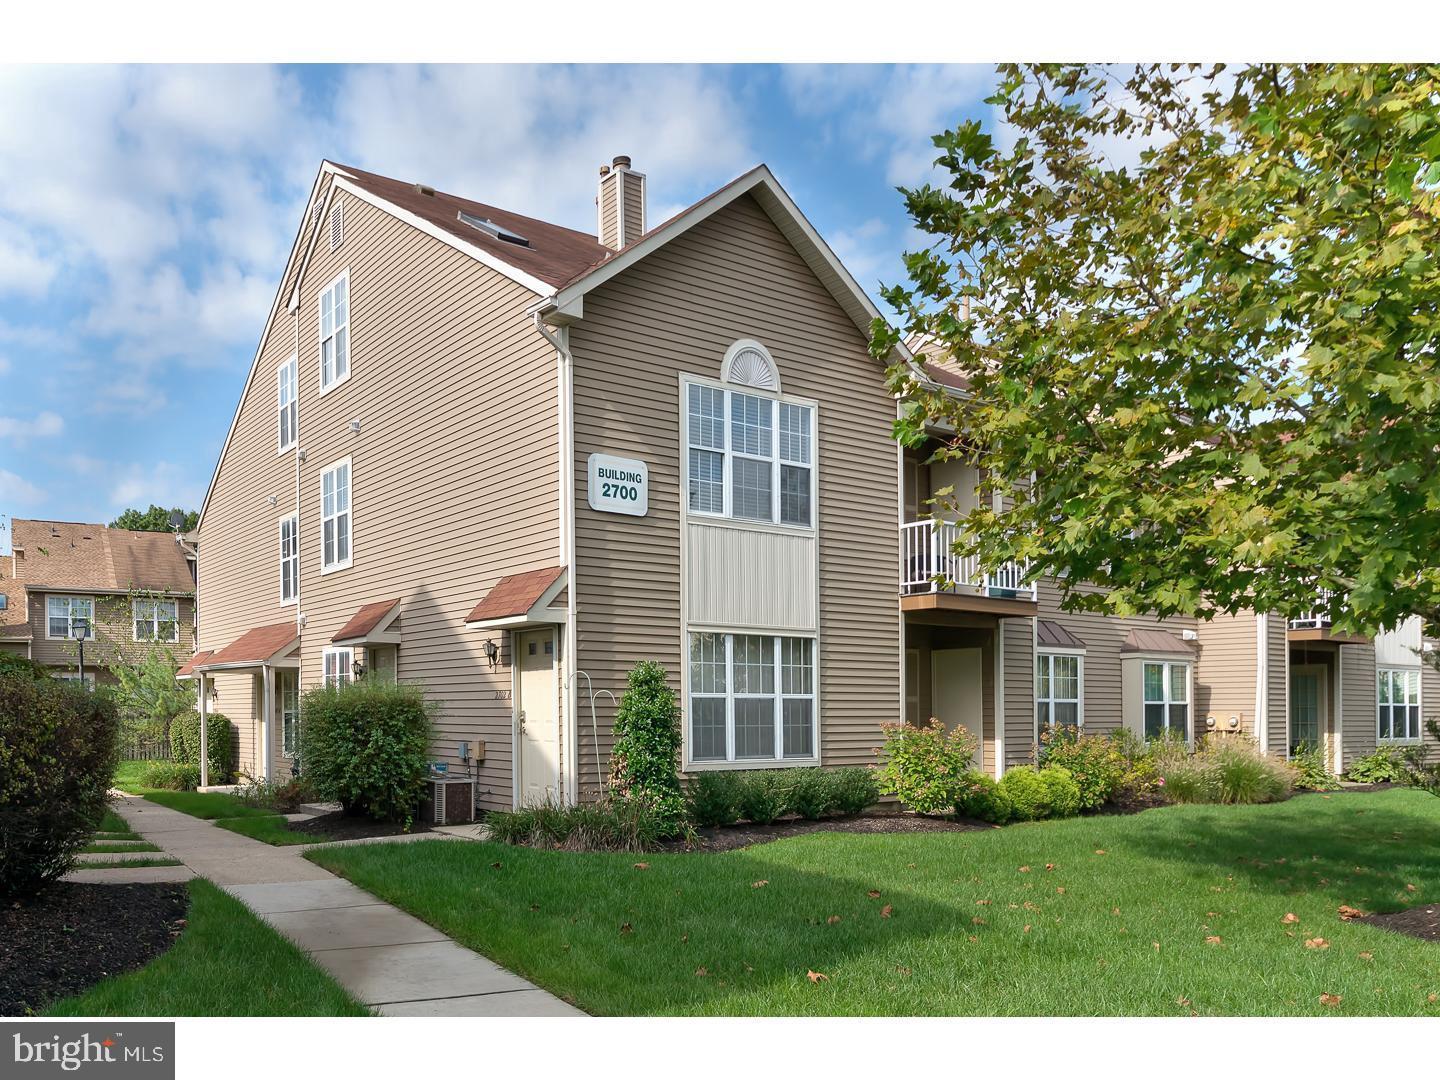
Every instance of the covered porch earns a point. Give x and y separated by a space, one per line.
269 656
951 674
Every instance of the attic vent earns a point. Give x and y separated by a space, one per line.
315 211
424 189
489 227
337 227
748 363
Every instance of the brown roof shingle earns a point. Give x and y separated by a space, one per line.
365 620
515 595
77 555
253 646
188 668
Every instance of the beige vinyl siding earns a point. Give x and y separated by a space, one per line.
1103 636
1226 673
634 192
610 211
1358 698
453 474
1019 665
114 632
1429 706
734 276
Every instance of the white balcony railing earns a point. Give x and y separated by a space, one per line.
929 563
1318 617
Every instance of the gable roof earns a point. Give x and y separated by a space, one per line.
15 615
512 597
76 555
364 621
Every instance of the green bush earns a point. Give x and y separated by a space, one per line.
810 792
926 766
1385 765
1036 794
1095 762
284 797
763 796
645 759
365 745
1310 771
58 746
185 743
855 790
1244 775
611 825
171 776
985 801
714 798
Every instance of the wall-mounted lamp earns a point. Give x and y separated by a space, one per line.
355 426
492 653
272 499
358 669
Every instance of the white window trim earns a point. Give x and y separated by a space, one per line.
731 762
336 567
1079 655
1189 702
70 620
1419 707
293 364
295 541
346 672
728 455
326 388
154 621
281 677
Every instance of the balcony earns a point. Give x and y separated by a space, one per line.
933 576
1315 624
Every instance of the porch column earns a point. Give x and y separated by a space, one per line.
204 732
267 713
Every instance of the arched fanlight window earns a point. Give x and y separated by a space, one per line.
748 363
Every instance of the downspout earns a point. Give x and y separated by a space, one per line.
565 394
1262 683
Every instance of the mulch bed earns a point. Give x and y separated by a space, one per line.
1420 922
72 936
342 826
731 837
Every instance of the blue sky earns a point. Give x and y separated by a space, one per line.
145 215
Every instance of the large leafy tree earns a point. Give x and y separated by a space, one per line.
155 519
1199 307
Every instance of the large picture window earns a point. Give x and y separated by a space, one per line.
749 457
335 517
752 698
335 333
156 620
289 558
1167 700
1057 689
1398 698
62 613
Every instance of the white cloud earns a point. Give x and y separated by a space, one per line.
4 366
24 269
16 491
43 425
864 252
163 483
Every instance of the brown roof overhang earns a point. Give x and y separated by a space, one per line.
515 597
1155 641
187 670
1055 636
254 648
364 622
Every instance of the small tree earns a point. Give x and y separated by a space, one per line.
645 760
148 688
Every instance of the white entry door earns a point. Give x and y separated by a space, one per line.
957 692
537 720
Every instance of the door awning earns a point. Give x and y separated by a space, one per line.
534 598
1155 641
373 624
264 646
187 669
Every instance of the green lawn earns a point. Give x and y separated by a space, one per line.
127 776
226 963
114 827
110 864
208 805
109 847
272 829
1167 912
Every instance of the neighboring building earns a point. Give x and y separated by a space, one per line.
131 591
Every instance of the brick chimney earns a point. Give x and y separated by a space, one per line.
621 203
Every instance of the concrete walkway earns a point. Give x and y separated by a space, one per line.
390 961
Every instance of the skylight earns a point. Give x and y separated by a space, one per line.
485 225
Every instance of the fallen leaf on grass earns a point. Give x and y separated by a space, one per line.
1213 939
1330 999
1060 888
642 866
494 866
1183 1001
1290 917
701 972
1024 869
1347 912
1316 943
832 920
817 976
902 970
978 921
1367 956
873 894
1049 866
760 884
1409 888
1155 945
984 901
1027 928
626 928
1099 851
886 911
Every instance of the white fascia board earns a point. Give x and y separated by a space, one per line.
500 266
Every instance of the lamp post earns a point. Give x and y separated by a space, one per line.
79 631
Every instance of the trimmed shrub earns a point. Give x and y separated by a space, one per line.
1310 771
185 743
1036 794
365 745
714 798
926 766
985 801
611 825
855 790
1094 761
763 796
171 776
58 746
810 792
645 759
1244 775
1384 765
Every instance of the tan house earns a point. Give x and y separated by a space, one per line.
113 592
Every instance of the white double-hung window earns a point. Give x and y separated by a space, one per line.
335 517
1398 703
750 457
286 393
288 684
752 698
289 558
335 332
156 620
1167 699
1057 689
64 613
338 666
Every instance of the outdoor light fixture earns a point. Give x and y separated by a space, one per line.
358 668
492 653
79 631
